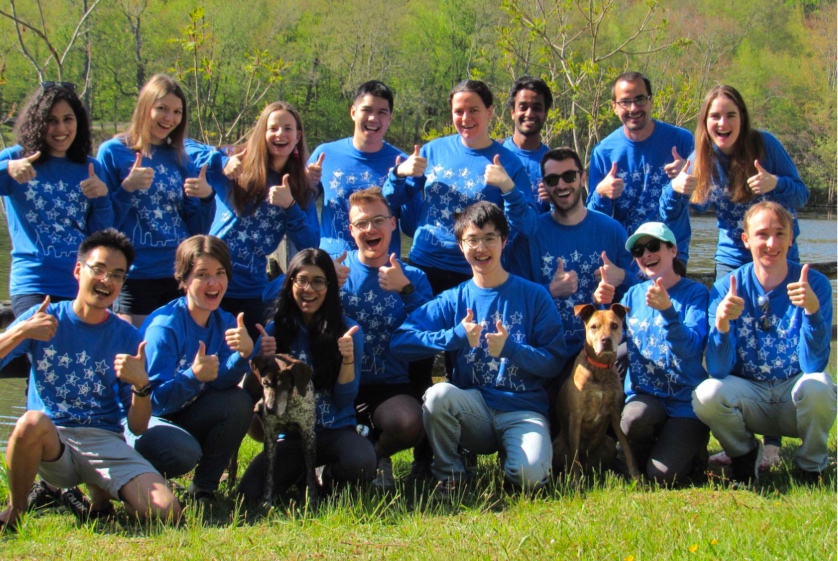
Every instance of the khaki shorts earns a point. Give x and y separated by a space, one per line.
94 457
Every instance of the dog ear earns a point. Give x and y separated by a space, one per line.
301 372
620 310
584 311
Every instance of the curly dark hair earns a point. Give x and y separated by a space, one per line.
327 326
31 124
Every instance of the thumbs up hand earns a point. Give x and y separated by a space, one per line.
341 270
496 341
346 346
677 164
392 278
315 171
238 338
131 368
204 367
613 274
611 186
414 166
496 175
473 330
93 187
21 170
233 168
684 183
657 297
280 195
730 308
604 293
198 186
801 294
41 326
763 182
564 282
267 343
139 178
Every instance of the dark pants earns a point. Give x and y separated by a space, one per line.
666 448
348 457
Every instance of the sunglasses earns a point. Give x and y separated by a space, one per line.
638 249
69 86
553 179
764 322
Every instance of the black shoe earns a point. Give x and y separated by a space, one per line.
201 496
75 501
420 472
744 469
808 478
41 496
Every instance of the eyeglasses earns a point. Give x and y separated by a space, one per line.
317 284
764 322
100 273
639 101
66 85
377 222
652 245
489 241
568 177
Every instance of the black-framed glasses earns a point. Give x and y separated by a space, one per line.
377 222
764 322
489 241
652 245
100 273
569 176
69 86
317 284
639 101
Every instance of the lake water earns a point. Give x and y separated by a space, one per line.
817 244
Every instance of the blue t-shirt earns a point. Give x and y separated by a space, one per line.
790 192
533 353
379 313
48 218
73 380
532 163
641 166
580 247
794 341
455 179
173 336
346 170
156 219
665 347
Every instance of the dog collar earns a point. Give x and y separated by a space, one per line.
592 362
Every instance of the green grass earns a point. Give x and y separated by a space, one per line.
605 518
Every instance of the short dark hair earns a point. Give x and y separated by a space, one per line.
476 86
531 83
375 89
191 249
479 215
630 77
31 125
559 154
109 238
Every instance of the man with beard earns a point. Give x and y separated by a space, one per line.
529 102
632 165
573 247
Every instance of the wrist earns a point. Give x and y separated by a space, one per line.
345 363
143 391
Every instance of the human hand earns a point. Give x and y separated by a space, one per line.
801 294
41 326
267 344
22 170
131 368
315 171
341 269
676 166
414 166
604 293
473 330
139 178
93 187
496 175
280 195
392 278
233 168
684 183
204 367
564 282
346 346
496 341
730 308
613 274
611 186
198 186
238 339
657 297
763 182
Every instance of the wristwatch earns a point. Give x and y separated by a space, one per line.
142 392
408 289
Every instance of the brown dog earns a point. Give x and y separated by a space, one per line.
592 397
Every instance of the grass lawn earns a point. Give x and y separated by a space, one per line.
606 518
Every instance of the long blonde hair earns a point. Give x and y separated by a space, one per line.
138 135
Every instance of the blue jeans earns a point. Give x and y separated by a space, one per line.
214 424
453 416
803 406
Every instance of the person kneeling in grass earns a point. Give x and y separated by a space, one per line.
88 370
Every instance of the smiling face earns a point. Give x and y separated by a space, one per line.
635 119
205 286
308 300
529 112
100 294
723 123
281 136
61 129
373 243
565 197
768 239
166 115
372 117
656 264
471 119
485 260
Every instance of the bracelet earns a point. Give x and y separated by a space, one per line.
142 392
289 207
348 363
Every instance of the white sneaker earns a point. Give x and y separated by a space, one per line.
384 480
